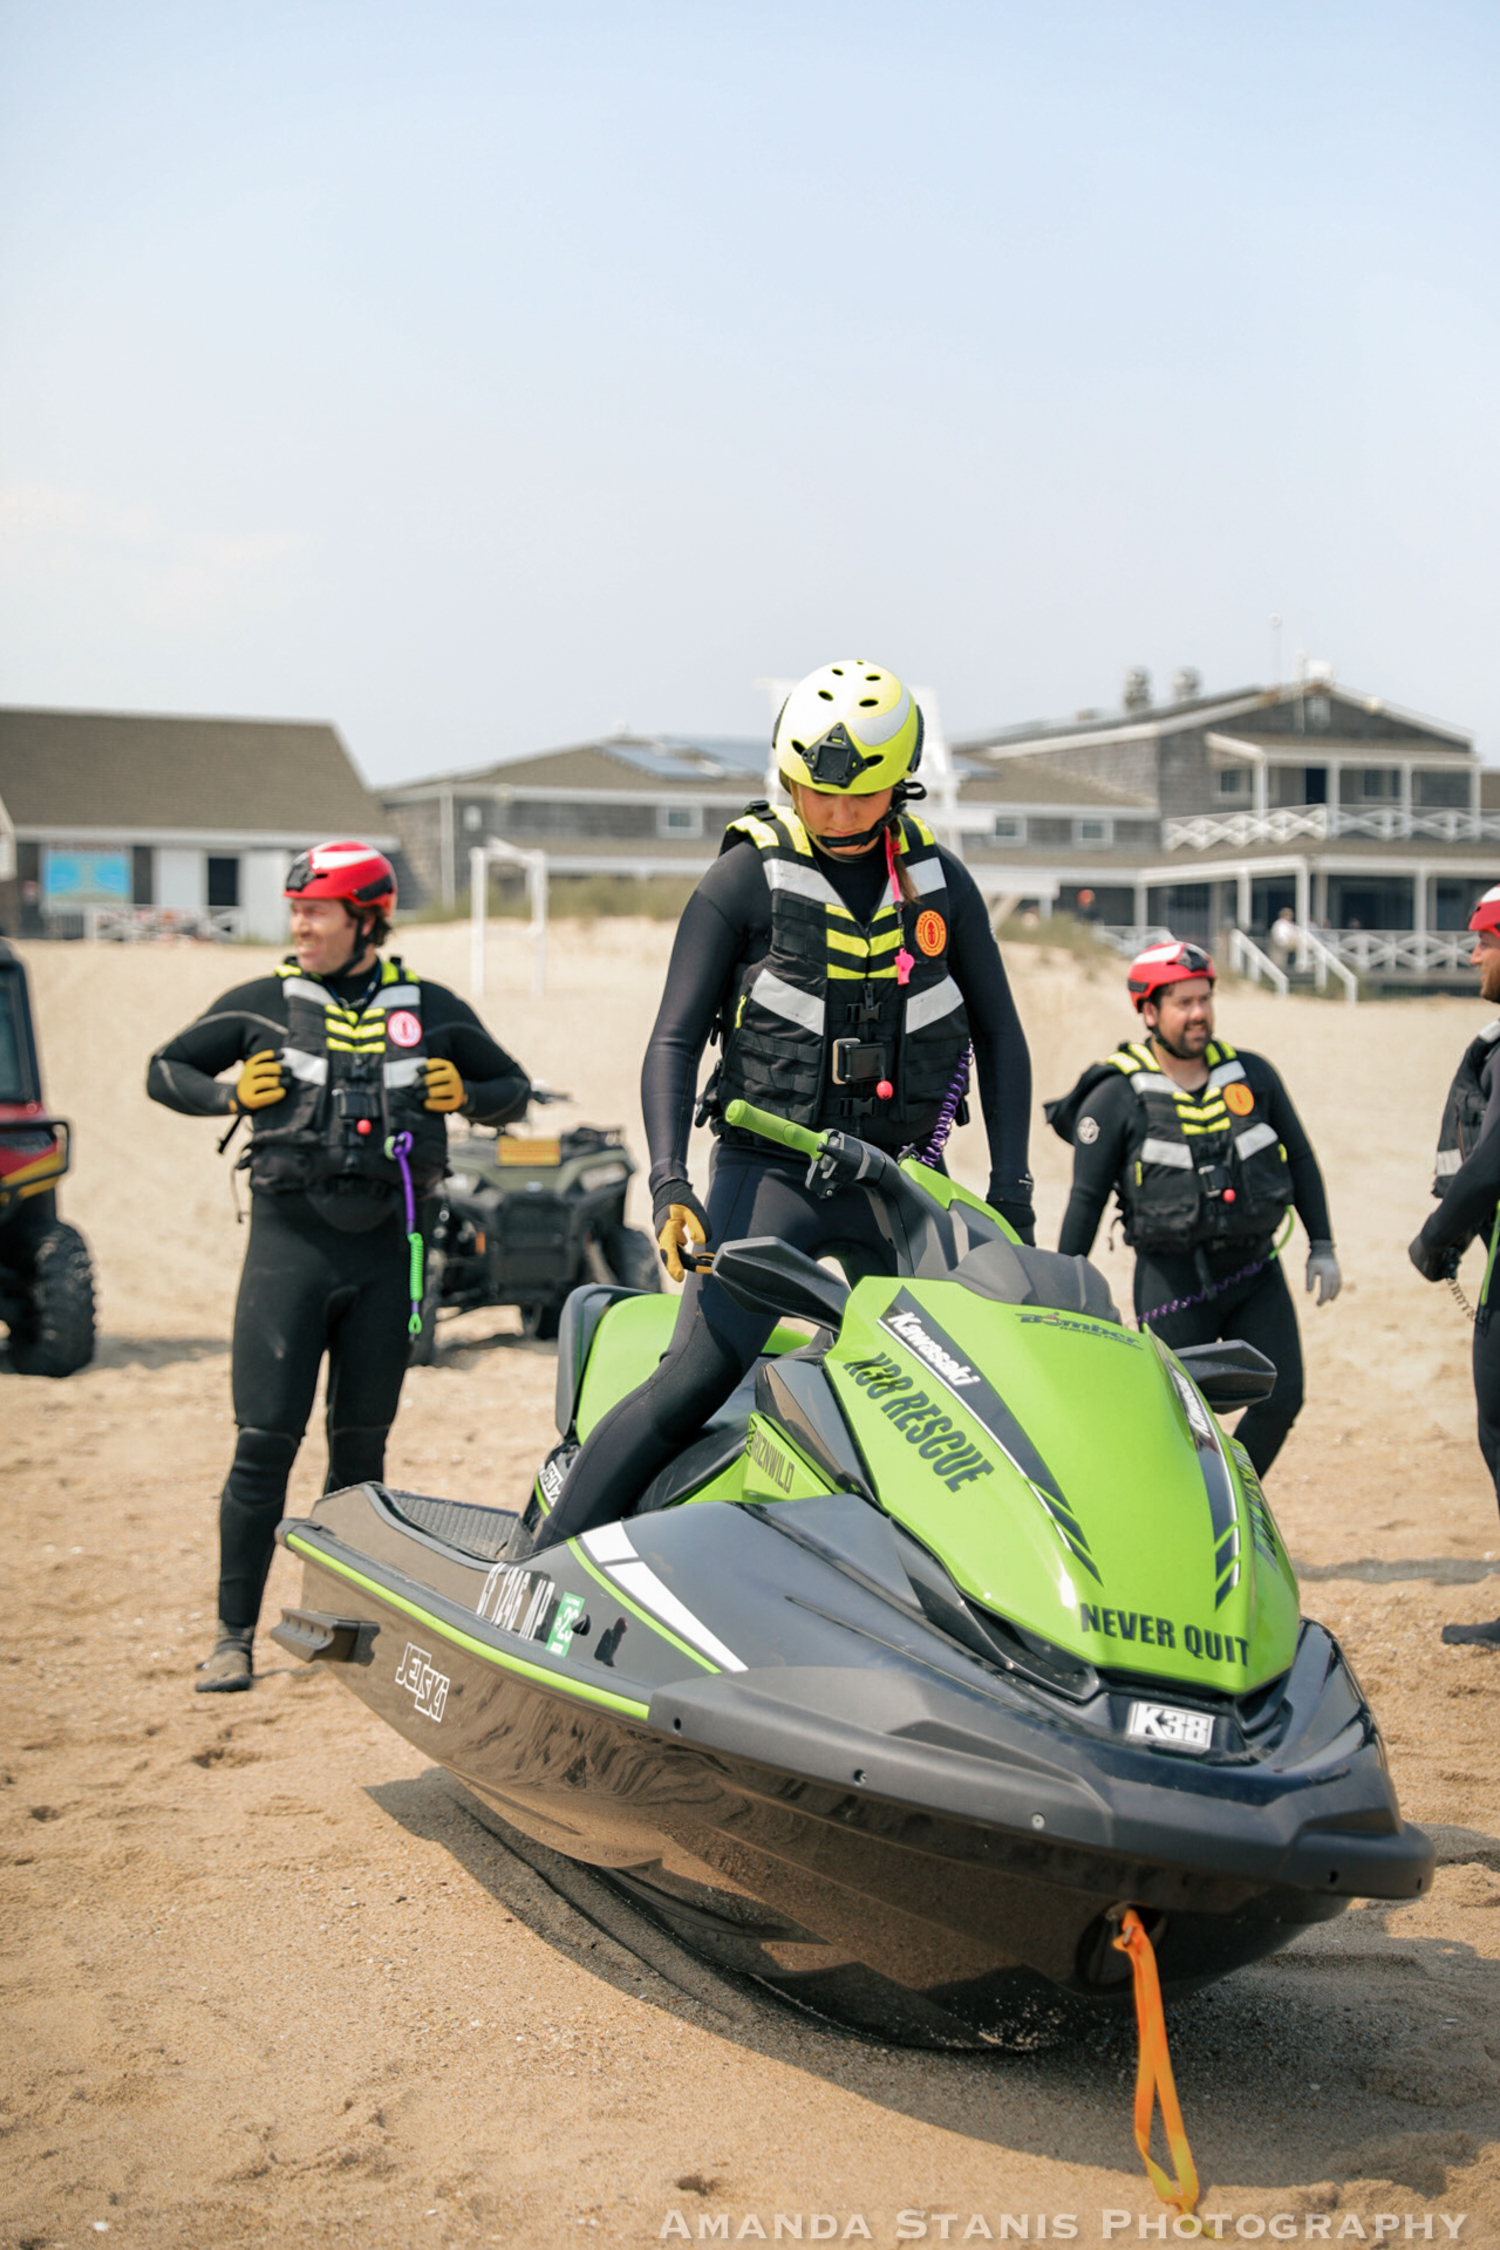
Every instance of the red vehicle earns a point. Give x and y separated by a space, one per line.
46 1281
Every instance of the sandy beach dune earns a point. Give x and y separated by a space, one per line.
267 1977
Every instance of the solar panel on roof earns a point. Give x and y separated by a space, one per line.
675 758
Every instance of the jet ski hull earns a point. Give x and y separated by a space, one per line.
844 1802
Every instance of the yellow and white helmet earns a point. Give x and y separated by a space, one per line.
850 726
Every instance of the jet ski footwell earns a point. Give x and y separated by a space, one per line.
848 1804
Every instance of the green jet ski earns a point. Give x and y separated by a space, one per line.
962 1628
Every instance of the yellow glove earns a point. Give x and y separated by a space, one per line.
445 1089
679 1218
260 1082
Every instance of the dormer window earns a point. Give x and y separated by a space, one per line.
1319 714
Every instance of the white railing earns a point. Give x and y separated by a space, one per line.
1129 938
136 925
1419 951
1207 831
1290 824
1246 958
1315 951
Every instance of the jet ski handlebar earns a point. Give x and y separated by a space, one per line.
837 1160
746 1118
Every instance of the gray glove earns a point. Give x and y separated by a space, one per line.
1323 1269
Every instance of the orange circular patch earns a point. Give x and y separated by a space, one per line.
1239 1098
932 932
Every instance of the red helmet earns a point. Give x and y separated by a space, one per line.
1486 915
1172 963
358 874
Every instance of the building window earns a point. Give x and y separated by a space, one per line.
1383 782
1091 831
1234 781
223 883
679 820
1448 790
1009 829
473 819
1319 714
142 875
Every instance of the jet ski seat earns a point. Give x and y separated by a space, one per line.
719 1443
1014 1274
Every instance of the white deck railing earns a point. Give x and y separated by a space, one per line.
134 925
1290 824
1419 951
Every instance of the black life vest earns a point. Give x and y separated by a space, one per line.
1201 1169
822 1019
1463 1111
347 1067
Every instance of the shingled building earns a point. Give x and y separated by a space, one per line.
112 824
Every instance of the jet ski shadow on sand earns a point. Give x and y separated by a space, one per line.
960 1630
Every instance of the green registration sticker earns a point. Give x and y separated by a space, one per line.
560 1639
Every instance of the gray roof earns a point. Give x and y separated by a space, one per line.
1246 704
614 762
1025 781
114 770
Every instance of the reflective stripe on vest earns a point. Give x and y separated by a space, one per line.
1258 1137
927 1007
784 999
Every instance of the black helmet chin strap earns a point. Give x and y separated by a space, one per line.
361 942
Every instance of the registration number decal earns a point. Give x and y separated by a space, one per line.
1160 1722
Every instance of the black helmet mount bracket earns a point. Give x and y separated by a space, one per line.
833 762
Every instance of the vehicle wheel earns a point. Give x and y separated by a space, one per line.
56 1334
634 1257
424 1345
541 1321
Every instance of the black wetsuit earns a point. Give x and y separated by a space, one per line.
725 926
309 1287
1238 1290
1468 1208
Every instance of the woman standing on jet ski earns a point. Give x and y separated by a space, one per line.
846 963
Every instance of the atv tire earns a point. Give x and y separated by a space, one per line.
55 1335
541 1322
634 1258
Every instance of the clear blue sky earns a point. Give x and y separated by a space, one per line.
475 375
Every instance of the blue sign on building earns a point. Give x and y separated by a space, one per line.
85 878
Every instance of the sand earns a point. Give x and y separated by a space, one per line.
267 1980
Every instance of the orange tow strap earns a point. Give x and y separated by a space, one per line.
1154 2072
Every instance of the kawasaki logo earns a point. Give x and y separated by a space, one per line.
911 1332
915 1328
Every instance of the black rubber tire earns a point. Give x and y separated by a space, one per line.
423 1348
56 1334
541 1322
634 1258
